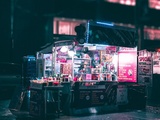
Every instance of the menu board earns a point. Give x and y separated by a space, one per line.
127 66
145 69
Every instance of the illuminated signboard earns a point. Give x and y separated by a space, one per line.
66 26
155 4
127 68
123 2
151 34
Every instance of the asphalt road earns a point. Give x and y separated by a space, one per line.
6 114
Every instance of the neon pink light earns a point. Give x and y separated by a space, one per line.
155 4
152 34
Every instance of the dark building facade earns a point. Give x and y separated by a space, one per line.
25 26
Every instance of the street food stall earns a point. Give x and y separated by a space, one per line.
99 74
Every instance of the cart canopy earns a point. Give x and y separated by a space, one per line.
46 48
110 34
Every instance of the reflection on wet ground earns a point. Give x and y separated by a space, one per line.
6 114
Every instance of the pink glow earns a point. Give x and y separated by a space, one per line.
155 4
151 34
128 2
157 7
114 1
127 68
123 2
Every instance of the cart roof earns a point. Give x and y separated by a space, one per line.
110 34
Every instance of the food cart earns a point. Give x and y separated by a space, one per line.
100 75
97 75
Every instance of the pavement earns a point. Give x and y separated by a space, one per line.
6 114
153 106
152 112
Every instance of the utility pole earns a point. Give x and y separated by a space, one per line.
141 17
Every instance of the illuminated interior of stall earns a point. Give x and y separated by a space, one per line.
96 62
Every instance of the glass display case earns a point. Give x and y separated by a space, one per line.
84 62
95 62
